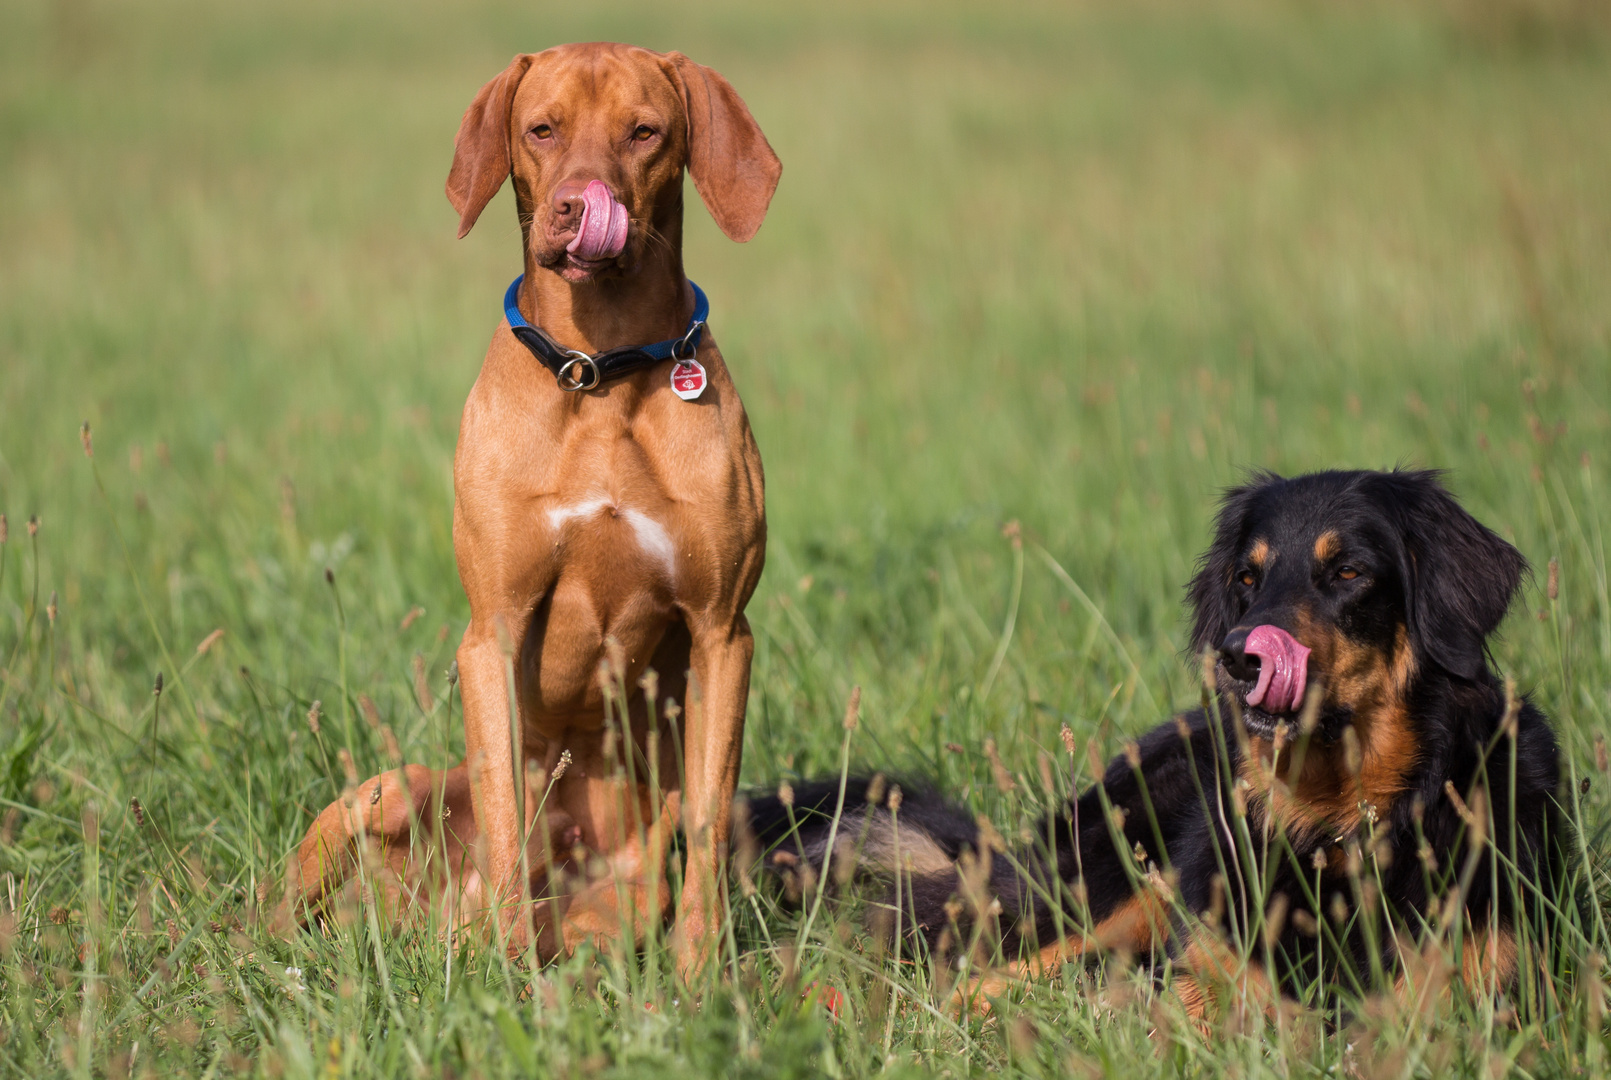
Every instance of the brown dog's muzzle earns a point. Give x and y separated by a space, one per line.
587 230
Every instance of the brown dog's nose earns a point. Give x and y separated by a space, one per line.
567 198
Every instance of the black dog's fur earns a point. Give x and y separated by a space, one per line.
1395 589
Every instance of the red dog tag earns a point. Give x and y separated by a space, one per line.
688 379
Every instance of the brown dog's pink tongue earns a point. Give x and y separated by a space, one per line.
603 231
1283 669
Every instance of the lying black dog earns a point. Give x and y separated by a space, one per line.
1332 810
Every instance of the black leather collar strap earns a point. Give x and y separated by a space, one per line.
576 370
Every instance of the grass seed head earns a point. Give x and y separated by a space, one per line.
1554 587
313 717
1459 804
1275 919
1601 761
1351 753
51 609
853 709
875 789
33 526
1339 908
1216 901
1003 778
366 705
990 839
1093 757
1066 733
560 766
422 685
5 531
84 437
349 770
786 794
1510 724
138 811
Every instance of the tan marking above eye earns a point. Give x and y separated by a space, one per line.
1260 553
1326 546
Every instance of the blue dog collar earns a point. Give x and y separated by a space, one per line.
576 370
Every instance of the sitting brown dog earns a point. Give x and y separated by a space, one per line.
607 507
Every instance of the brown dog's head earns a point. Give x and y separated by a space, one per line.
626 117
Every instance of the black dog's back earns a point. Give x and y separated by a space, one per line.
1089 858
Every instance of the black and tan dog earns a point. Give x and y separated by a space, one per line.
1330 813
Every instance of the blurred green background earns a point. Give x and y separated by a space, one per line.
1073 265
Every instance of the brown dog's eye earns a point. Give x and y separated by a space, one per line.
643 133
1347 573
1246 578
542 131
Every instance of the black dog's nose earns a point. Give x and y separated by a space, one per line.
1234 655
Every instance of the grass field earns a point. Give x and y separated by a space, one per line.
1074 266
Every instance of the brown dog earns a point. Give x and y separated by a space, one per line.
617 522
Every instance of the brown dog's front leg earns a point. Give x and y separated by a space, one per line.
489 757
714 744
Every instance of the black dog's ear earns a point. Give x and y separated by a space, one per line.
1213 604
1459 577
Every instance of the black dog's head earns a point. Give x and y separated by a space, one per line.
1356 580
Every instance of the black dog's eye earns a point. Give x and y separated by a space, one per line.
1246 578
542 131
643 133
1347 573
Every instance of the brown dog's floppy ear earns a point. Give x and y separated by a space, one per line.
481 149
733 167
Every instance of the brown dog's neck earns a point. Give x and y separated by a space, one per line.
650 303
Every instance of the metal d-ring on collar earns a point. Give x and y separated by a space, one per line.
576 370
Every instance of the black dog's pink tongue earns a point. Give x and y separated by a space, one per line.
1283 669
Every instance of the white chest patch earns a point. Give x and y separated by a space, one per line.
650 535
559 515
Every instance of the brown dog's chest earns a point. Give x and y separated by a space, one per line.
616 516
